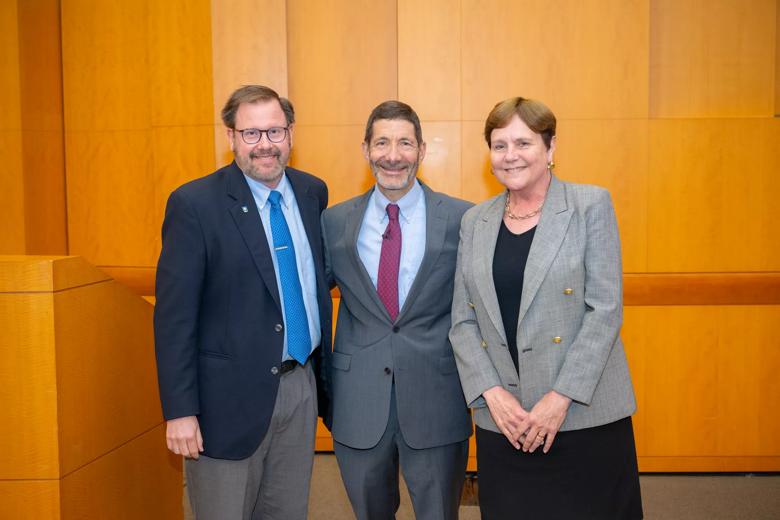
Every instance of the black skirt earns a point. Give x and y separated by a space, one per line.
587 474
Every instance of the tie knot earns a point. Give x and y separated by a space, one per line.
392 211
274 197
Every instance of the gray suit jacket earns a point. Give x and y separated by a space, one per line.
570 313
370 351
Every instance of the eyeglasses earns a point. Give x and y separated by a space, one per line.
275 134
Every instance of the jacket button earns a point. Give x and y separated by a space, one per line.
484 344
274 370
396 328
557 339
387 370
568 291
278 327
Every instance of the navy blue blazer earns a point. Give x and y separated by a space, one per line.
217 315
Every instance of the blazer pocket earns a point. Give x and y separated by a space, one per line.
340 361
447 365
213 354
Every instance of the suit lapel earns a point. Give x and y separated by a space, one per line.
309 209
352 229
547 240
244 211
485 236
435 232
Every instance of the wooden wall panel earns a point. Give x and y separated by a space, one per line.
429 58
29 499
704 381
333 153
12 225
111 218
712 188
477 180
27 362
249 47
12 221
10 115
441 167
123 483
179 67
701 289
612 154
138 101
43 164
119 353
106 83
342 59
179 154
42 133
777 61
583 59
40 63
712 59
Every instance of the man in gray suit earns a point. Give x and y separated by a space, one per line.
396 393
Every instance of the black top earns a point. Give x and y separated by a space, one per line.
509 260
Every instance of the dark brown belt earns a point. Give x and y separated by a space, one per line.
288 366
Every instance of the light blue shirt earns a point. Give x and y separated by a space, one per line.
303 257
412 220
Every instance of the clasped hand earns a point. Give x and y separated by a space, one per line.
527 430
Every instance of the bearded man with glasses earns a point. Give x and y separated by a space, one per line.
243 320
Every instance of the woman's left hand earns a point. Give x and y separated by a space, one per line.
545 418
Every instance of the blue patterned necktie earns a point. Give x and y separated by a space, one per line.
298 339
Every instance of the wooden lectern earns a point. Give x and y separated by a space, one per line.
81 432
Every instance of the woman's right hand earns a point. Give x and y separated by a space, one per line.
507 413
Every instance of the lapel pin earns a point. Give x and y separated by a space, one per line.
244 209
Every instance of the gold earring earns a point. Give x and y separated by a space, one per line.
551 165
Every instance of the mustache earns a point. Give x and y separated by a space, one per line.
393 164
254 154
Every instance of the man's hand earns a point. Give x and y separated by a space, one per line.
183 436
507 413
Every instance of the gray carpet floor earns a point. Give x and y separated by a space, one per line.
664 497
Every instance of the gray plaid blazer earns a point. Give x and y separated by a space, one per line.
570 314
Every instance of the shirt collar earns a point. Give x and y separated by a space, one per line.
260 191
406 204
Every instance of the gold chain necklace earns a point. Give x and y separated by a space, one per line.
508 212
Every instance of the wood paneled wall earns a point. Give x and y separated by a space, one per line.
138 119
668 104
12 225
32 185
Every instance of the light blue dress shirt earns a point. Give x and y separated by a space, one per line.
412 220
303 256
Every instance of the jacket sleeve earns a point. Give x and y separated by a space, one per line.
180 275
587 356
476 369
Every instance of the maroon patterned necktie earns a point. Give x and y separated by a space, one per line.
389 261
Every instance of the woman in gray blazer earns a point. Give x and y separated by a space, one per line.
536 317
